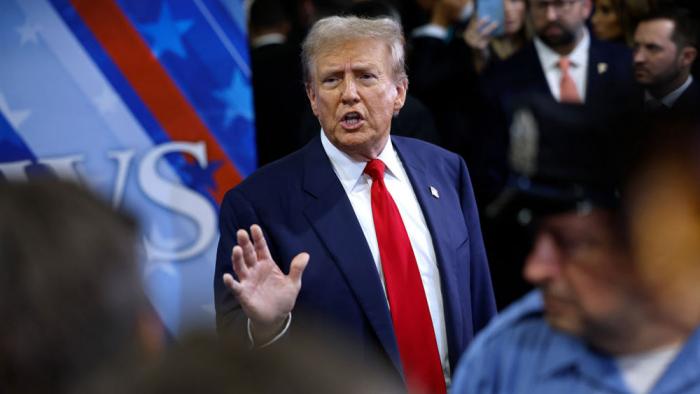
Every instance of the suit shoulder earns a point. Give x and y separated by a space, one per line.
424 150
517 68
614 52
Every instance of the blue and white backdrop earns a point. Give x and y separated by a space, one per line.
147 102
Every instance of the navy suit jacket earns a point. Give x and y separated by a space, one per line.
609 81
609 77
301 206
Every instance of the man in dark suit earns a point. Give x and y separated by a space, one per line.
277 84
664 52
563 60
396 260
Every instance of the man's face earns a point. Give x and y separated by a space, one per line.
656 56
354 95
582 269
559 23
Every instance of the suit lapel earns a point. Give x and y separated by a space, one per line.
329 211
444 240
538 81
594 77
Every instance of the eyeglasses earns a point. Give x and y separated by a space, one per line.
541 6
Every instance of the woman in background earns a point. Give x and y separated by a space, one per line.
609 20
615 20
486 48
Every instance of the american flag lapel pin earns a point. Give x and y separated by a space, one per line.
602 67
434 192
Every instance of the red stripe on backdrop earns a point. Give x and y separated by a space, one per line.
151 81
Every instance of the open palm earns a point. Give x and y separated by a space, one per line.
265 293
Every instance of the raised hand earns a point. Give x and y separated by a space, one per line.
265 293
478 33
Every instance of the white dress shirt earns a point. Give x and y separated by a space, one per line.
357 186
267 39
578 69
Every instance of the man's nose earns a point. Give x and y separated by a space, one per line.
638 56
349 93
542 264
552 12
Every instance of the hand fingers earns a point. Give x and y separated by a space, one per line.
296 268
261 249
482 22
239 265
232 284
490 28
247 248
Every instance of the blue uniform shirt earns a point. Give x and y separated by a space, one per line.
520 353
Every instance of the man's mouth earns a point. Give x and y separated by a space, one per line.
352 120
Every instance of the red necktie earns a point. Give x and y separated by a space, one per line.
409 308
567 87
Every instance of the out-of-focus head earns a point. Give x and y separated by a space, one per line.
566 168
581 263
665 47
268 16
70 292
514 16
664 201
560 23
355 80
200 363
607 20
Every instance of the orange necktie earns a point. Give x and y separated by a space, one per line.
567 87
410 314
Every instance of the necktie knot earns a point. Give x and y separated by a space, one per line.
564 64
375 169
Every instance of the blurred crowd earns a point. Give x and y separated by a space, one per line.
578 121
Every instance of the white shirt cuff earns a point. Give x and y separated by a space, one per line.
271 341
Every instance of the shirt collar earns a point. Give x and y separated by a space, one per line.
431 30
672 97
266 39
350 171
578 57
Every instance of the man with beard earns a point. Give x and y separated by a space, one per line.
664 52
563 60
564 63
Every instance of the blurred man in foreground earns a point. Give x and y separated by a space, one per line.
71 301
591 326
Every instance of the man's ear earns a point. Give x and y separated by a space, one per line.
401 91
688 56
311 94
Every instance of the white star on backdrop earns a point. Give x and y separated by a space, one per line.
28 32
106 101
15 117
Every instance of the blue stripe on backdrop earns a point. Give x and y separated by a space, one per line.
206 54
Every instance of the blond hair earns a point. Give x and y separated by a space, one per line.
332 31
